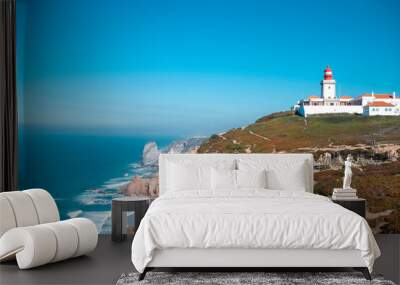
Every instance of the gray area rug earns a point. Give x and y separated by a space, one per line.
228 278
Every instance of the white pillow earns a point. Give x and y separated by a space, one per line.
188 177
223 179
294 180
282 174
251 178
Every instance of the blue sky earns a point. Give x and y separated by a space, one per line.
194 67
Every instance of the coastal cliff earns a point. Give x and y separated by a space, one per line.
147 184
374 143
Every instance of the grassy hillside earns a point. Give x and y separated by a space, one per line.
377 175
290 132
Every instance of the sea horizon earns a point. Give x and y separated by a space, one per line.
83 172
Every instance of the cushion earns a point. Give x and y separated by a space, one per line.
251 178
188 177
293 180
281 174
37 245
67 240
26 208
45 205
7 220
33 244
223 179
23 208
190 161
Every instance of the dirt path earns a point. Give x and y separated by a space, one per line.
222 137
259 136
226 139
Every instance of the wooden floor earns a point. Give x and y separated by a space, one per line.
110 260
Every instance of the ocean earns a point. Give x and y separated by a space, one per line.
82 172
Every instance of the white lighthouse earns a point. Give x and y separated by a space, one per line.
365 104
328 85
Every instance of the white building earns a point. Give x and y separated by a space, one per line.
328 103
380 108
366 98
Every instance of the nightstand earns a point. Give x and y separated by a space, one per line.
357 205
119 207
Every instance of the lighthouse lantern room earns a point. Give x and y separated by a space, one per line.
328 85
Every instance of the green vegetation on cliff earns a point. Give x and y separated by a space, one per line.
379 184
374 142
287 132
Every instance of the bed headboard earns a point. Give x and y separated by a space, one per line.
213 158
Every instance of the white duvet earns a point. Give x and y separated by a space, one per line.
250 219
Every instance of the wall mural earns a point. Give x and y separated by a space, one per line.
103 90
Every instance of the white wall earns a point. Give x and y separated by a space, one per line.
328 89
366 100
381 111
314 110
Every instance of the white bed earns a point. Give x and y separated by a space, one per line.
280 225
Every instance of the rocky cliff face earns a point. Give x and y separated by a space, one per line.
142 186
151 151
376 177
185 146
363 155
148 186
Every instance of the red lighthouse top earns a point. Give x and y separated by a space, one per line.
328 73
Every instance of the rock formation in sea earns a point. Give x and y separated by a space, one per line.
148 186
150 154
140 186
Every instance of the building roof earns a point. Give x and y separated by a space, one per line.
345 97
365 95
379 104
377 96
383 96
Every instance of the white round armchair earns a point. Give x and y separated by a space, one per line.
31 230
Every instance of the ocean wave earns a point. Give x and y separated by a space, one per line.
98 196
117 185
102 220
103 195
145 171
74 214
136 165
93 201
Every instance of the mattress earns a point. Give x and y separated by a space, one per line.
250 219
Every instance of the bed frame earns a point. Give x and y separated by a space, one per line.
245 259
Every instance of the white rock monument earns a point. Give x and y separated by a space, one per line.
346 193
348 174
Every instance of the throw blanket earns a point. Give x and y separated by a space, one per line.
250 218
